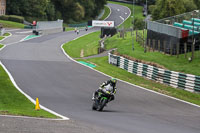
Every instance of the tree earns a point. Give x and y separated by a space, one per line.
197 2
79 12
25 8
190 5
167 8
50 10
68 10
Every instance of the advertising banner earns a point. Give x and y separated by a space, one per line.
98 23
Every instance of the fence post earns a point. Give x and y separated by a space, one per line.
149 44
136 35
153 44
159 45
145 45
177 50
193 43
171 48
164 46
143 39
185 49
199 48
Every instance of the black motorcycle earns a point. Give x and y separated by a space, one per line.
101 100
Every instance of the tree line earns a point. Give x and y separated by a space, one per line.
165 8
68 10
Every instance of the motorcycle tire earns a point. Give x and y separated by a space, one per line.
94 106
102 104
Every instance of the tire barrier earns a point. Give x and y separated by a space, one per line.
175 79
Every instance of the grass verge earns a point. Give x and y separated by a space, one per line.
106 13
6 34
84 46
1 45
124 47
1 37
103 66
69 28
10 24
12 102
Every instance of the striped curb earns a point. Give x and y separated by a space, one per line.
175 79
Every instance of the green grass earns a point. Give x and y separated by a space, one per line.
137 13
125 46
88 44
170 62
6 34
1 37
10 24
1 45
106 13
103 66
69 28
12 102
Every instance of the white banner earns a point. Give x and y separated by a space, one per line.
103 23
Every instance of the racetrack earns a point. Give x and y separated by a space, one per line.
40 69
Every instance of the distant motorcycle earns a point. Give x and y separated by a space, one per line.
101 100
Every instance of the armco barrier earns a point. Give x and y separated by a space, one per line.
175 79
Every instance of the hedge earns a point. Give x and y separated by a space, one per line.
13 18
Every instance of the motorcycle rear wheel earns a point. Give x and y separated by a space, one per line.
94 106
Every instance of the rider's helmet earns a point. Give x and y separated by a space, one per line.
113 81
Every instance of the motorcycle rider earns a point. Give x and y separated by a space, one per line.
110 86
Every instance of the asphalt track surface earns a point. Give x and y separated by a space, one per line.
40 69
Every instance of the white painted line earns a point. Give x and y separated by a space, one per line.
126 13
118 10
122 18
130 83
32 100
2 47
13 30
27 117
24 32
22 40
6 36
109 13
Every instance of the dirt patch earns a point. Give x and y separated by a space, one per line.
140 61
82 53
4 112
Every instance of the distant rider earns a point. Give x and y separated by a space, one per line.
110 86
86 28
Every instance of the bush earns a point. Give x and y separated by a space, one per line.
139 23
31 19
13 18
4 17
16 18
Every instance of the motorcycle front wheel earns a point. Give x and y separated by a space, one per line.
101 104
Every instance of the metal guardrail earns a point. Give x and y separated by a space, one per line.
175 79
78 25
